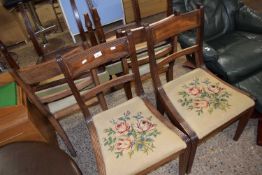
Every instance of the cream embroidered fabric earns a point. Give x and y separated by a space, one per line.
133 139
204 102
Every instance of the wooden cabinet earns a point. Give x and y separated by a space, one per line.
147 7
23 121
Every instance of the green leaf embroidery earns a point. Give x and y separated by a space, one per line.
130 134
204 96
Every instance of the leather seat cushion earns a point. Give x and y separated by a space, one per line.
238 55
253 85
204 101
132 138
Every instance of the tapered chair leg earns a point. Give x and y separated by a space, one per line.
159 105
242 124
62 134
128 91
192 155
183 162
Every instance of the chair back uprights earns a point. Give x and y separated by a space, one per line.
93 60
30 78
170 28
101 34
139 36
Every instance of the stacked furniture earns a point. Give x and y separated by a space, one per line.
232 43
46 87
135 137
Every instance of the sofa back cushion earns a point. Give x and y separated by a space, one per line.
219 15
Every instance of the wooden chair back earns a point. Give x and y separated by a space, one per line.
30 31
139 37
94 58
88 24
78 20
45 54
41 76
28 79
169 28
101 34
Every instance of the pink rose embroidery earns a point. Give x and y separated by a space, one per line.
122 127
200 104
130 133
123 144
214 89
204 96
194 91
144 125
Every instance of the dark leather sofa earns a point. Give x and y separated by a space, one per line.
232 42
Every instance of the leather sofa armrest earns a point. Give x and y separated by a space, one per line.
248 20
187 39
210 54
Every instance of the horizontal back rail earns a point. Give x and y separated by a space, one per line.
38 73
172 57
97 56
107 85
137 33
176 25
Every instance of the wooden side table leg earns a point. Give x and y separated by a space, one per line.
259 131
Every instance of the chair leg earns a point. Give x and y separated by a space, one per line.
183 160
63 135
128 91
170 72
159 105
242 124
192 155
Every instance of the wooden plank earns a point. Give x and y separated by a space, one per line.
5 78
148 8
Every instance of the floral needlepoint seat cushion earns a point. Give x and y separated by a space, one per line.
204 101
133 139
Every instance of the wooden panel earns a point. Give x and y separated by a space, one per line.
254 4
147 8
37 73
5 78
11 29
24 122
178 25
